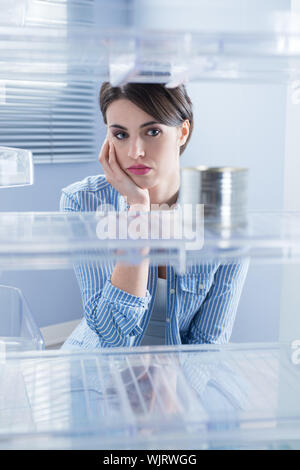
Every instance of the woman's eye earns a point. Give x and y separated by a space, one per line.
120 135
155 132
123 135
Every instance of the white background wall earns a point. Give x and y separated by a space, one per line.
244 125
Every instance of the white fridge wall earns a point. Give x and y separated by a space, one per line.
244 125
290 293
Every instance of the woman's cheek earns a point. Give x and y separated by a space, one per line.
119 150
158 147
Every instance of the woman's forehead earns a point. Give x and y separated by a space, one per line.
124 109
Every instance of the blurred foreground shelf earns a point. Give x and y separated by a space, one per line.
45 240
186 397
148 42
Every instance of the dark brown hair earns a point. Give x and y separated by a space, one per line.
169 106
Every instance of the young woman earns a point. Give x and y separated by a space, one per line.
148 128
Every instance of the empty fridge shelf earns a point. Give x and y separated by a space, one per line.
233 396
45 240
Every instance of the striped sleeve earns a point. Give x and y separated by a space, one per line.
113 314
213 323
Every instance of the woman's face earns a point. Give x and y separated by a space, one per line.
140 140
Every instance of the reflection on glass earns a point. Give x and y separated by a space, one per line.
162 397
16 167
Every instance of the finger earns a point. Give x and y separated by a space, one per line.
103 159
104 150
113 162
104 155
108 172
111 153
105 144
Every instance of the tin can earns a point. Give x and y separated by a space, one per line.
222 191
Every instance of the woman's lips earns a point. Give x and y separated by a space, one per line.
139 171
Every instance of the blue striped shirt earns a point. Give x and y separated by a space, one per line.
201 303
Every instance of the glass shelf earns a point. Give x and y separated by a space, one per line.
200 397
18 328
40 38
16 167
58 240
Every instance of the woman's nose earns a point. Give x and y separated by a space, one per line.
136 149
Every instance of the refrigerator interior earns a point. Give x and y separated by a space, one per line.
242 68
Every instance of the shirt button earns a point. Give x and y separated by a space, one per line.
201 286
172 291
168 320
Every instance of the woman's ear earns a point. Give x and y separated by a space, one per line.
184 132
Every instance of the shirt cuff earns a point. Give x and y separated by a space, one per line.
115 295
128 309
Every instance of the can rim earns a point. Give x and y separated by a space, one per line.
217 169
